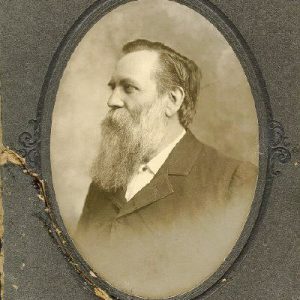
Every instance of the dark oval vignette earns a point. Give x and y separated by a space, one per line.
44 117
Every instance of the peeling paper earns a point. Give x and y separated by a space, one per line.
9 156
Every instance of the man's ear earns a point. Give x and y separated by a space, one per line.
175 99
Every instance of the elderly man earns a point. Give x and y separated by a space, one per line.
163 210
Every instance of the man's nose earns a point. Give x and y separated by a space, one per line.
115 100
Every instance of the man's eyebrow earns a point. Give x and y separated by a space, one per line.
129 81
124 81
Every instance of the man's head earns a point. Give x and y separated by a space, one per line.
173 73
153 95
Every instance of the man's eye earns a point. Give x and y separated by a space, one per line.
129 88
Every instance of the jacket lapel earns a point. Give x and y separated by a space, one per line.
158 188
184 155
179 162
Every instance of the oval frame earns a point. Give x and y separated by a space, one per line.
263 111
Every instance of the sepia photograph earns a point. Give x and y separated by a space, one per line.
154 148
150 150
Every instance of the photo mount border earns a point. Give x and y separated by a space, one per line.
41 146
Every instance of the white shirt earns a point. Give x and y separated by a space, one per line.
147 171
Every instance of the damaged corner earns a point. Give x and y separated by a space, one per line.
9 156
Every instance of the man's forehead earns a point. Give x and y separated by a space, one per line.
138 65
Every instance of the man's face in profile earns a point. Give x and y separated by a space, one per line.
135 126
133 82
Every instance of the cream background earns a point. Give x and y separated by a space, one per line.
226 117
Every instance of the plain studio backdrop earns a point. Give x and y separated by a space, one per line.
226 117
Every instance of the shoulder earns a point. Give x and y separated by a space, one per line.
94 198
94 202
244 178
223 167
229 182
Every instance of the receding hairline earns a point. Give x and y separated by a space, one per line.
159 47
157 52
157 67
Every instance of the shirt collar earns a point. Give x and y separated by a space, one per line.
157 161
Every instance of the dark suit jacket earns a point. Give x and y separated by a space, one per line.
177 230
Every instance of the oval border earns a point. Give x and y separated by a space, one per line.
263 110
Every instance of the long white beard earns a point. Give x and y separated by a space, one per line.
127 141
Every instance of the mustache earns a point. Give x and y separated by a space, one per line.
117 116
